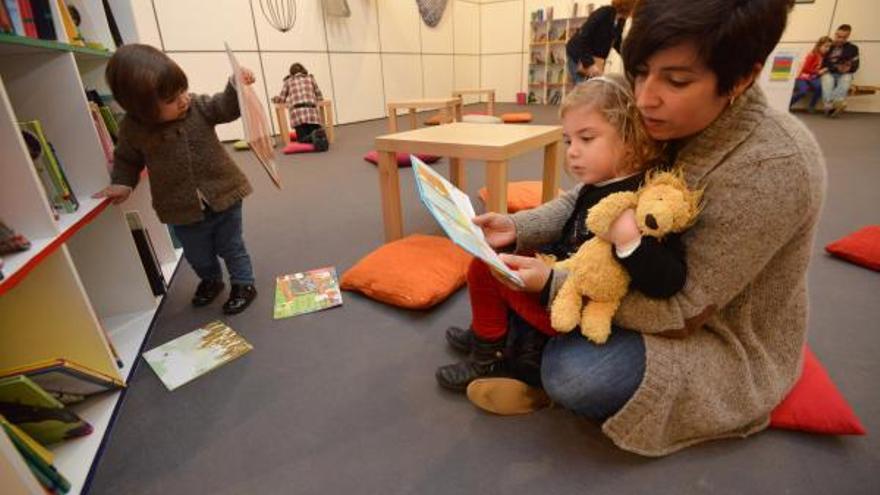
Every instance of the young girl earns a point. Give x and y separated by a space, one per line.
196 186
300 92
808 79
608 150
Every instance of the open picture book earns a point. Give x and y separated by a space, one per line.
257 131
454 212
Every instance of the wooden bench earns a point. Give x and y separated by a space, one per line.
450 108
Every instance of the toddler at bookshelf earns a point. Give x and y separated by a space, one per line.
608 150
301 94
195 184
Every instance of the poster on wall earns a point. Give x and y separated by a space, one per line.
782 67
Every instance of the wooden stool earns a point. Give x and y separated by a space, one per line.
325 110
490 93
449 107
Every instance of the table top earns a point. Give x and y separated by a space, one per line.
423 102
472 91
472 141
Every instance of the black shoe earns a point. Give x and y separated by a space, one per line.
207 291
460 339
319 139
240 297
486 360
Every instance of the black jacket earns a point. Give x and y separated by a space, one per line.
847 53
596 37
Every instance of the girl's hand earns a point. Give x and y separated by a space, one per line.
247 76
533 272
116 192
624 231
499 230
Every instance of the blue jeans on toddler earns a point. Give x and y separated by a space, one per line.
218 234
802 87
592 380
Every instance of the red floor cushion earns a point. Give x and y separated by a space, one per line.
295 147
402 158
523 195
292 135
815 405
862 247
516 117
415 272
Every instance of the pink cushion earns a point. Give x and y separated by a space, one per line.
295 147
402 158
815 404
862 247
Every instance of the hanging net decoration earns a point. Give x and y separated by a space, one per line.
281 14
431 11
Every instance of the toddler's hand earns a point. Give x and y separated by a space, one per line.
499 229
624 231
533 272
247 76
116 192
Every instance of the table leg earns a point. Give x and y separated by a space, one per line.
392 120
491 103
328 122
551 172
457 174
496 184
413 122
457 110
389 186
283 124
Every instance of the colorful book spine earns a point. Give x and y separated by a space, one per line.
14 14
27 18
43 19
73 35
103 133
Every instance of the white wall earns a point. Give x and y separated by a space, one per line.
382 52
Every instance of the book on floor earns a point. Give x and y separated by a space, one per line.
192 355
454 212
306 292
42 416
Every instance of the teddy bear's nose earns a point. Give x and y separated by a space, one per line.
650 221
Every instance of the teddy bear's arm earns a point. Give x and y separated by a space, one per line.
605 212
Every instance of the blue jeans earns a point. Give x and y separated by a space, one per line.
572 71
218 234
593 380
835 87
802 87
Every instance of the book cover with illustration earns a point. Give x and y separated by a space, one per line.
192 355
306 292
35 411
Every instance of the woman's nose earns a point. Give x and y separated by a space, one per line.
646 93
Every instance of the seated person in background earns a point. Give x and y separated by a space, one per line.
300 92
808 78
842 61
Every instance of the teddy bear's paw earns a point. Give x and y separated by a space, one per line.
605 212
598 336
563 322
595 327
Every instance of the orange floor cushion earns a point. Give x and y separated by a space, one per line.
516 117
416 272
523 195
437 119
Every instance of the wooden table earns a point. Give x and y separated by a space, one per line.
490 94
325 110
449 107
493 143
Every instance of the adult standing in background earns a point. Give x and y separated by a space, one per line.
589 47
842 62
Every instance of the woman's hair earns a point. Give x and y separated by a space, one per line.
298 68
612 96
731 36
822 41
141 77
624 6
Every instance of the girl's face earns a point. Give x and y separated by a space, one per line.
175 108
594 149
676 93
824 47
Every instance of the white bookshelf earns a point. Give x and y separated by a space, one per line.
80 291
548 71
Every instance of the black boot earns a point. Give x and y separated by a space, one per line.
460 339
240 297
486 359
319 139
207 291
525 361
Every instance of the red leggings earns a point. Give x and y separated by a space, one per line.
490 301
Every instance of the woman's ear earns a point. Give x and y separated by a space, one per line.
746 82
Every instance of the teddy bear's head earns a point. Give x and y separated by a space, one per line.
666 204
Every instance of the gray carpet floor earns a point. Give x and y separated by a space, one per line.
344 401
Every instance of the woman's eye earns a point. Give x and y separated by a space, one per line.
678 84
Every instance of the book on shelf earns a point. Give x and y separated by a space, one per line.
190 356
104 135
42 416
38 459
25 13
306 292
45 22
74 37
454 212
147 253
48 167
6 25
66 380
11 241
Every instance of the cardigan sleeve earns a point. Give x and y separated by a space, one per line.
542 225
128 160
749 215
221 107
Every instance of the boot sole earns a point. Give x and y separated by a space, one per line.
506 396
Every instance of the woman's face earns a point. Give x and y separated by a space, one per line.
676 93
825 47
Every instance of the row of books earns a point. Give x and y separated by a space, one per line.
43 19
49 169
106 123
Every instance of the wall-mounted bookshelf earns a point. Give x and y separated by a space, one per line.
80 292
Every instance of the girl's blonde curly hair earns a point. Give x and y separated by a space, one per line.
613 97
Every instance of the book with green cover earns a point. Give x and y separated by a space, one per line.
36 412
306 292
192 355
35 457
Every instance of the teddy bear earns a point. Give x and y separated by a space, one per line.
596 282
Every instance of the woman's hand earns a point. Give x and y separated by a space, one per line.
500 231
624 231
533 272
247 76
116 192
